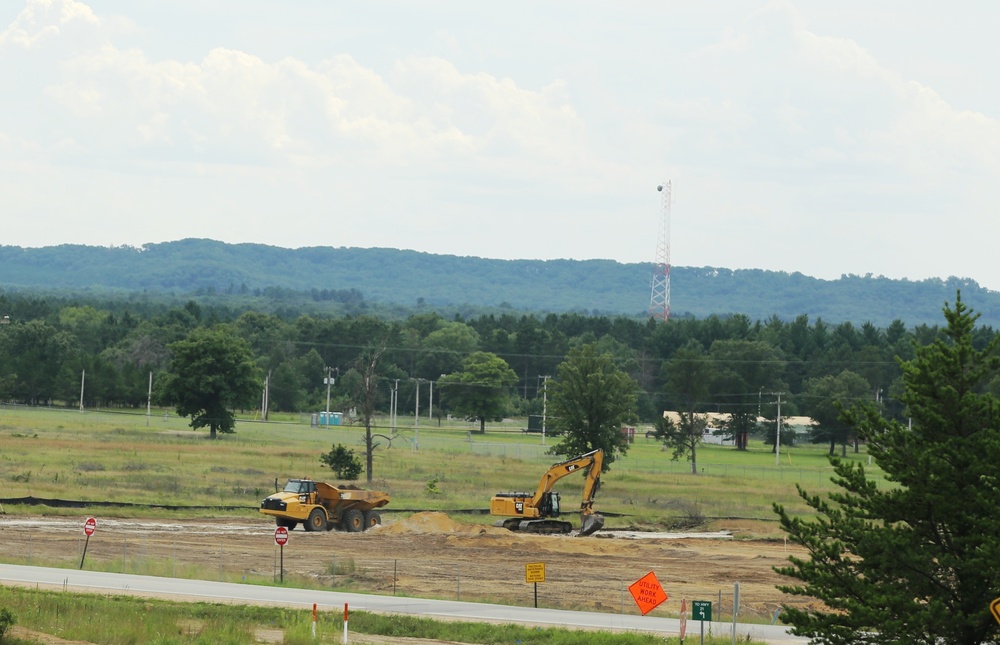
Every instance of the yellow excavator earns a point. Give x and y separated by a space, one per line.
537 512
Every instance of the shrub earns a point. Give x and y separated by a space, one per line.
7 620
342 461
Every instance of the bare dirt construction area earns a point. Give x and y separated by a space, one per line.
429 555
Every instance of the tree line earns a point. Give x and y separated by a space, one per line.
337 281
727 364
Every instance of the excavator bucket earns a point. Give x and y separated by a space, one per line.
590 524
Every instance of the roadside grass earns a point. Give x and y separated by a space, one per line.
160 622
114 456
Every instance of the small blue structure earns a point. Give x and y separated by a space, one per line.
336 419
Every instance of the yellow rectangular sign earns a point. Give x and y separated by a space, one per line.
995 609
534 572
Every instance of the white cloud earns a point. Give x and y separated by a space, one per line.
42 21
778 124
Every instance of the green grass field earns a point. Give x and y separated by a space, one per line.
127 457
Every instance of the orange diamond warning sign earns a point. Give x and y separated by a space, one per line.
647 592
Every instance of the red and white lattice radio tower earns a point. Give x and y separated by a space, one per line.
659 297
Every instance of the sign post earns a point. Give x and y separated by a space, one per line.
701 610
88 528
281 538
647 592
534 572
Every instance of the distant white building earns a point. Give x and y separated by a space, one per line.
710 436
801 425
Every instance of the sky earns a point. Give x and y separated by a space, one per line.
854 137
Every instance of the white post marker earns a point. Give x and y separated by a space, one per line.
736 607
684 611
345 623
314 621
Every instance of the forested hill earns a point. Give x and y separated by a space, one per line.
409 278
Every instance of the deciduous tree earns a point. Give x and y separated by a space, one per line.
683 436
591 399
822 399
916 561
480 391
211 372
689 375
742 370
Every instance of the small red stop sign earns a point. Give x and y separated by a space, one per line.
280 536
90 526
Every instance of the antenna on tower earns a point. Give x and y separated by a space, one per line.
659 297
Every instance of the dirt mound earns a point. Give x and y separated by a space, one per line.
434 522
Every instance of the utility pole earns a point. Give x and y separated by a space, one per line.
149 399
393 406
329 382
267 395
777 435
83 379
416 416
545 404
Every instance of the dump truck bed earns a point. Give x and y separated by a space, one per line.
352 496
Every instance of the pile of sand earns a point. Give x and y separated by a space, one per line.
433 522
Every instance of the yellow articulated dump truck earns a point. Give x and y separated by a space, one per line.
323 507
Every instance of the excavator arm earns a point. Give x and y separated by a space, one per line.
593 461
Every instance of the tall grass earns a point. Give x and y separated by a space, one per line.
106 456
86 617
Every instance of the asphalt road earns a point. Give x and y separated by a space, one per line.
333 602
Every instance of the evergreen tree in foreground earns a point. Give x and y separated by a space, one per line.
915 561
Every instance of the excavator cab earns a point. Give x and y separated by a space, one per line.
550 505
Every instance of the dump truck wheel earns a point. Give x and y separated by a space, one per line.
372 518
288 524
317 520
354 520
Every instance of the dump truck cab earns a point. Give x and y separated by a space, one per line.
303 488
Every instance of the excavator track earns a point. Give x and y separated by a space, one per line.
544 527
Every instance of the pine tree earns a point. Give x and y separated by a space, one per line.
915 561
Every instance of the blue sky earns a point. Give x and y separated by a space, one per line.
798 136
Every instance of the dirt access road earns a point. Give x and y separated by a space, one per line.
427 555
